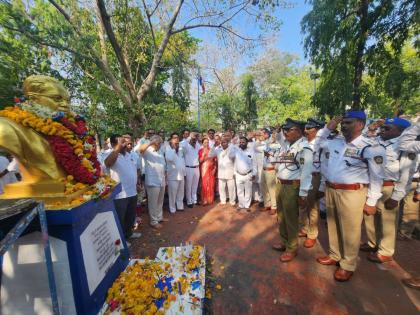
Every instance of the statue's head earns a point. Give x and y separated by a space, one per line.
46 91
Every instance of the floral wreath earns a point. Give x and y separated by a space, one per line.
73 148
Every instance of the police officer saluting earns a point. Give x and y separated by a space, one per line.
381 228
353 176
294 171
311 213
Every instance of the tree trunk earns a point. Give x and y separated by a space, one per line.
361 44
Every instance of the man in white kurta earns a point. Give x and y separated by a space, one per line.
155 179
175 169
225 174
192 168
245 172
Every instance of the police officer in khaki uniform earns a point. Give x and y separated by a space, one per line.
353 178
310 214
294 171
381 227
410 142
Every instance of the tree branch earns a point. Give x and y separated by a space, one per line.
185 28
102 64
147 83
149 15
101 34
105 20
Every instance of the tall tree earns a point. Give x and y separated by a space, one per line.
250 97
354 32
97 33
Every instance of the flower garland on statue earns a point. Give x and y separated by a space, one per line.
67 135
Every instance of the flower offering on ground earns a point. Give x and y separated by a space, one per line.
173 283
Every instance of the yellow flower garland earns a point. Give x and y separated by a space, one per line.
47 127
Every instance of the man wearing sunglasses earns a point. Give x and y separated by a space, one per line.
381 227
354 176
311 213
294 171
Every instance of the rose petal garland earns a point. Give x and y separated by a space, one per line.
73 149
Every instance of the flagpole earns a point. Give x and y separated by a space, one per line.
198 102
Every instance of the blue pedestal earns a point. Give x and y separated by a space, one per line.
69 226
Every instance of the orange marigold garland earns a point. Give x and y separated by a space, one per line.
73 148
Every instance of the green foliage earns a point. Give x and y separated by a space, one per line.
168 116
250 96
344 38
273 89
19 59
28 30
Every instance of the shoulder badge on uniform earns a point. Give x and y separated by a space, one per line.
378 159
411 155
302 161
327 155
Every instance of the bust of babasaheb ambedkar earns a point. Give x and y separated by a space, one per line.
33 151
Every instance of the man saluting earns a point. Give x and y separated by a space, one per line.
353 177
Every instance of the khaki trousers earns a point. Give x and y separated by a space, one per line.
269 188
288 216
155 203
310 215
410 215
344 219
381 228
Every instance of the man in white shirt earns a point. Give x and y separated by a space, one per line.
192 170
310 214
294 171
175 168
210 134
185 136
381 227
6 177
268 183
135 157
155 168
352 182
410 142
225 171
123 170
245 172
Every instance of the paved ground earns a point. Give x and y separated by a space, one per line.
254 281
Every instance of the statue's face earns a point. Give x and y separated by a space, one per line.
55 97
49 93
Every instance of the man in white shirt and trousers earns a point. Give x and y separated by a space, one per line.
225 167
175 168
245 172
123 170
192 168
155 181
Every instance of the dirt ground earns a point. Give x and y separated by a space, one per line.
254 281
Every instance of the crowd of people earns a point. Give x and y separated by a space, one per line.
358 173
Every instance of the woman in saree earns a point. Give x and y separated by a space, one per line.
208 171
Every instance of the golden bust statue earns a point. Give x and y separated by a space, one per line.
40 171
